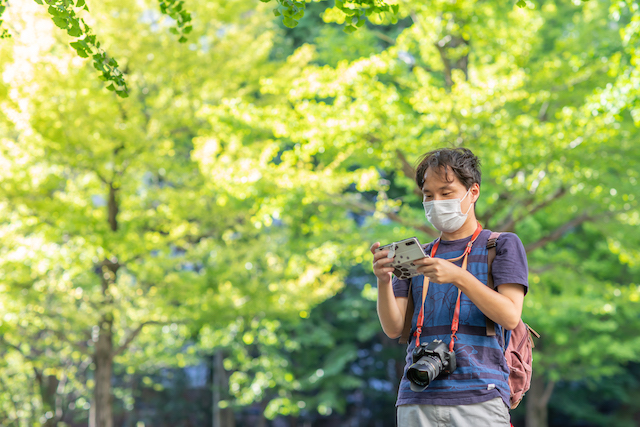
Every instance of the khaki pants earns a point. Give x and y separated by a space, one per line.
490 413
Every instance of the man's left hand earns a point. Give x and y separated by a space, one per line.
439 270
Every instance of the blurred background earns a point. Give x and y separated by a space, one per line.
197 253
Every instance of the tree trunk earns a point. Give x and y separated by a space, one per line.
101 412
103 359
47 386
262 420
228 418
537 400
221 417
215 389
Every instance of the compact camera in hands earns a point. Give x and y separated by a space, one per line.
404 253
429 361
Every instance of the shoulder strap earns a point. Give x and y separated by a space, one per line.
408 317
491 248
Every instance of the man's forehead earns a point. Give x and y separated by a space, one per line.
437 179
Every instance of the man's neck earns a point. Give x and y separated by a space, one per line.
468 228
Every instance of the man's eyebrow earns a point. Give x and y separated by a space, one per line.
444 187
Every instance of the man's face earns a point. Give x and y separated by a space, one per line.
436 187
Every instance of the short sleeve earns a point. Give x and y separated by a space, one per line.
510 263
400 287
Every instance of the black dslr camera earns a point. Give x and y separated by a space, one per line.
429 360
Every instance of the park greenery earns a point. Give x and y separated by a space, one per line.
188 243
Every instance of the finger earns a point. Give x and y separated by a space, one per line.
424 261
373 247
382 272
384 262
380 255
426 270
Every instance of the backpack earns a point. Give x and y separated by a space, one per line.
519 352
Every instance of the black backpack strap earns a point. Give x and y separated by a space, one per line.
491 248
408 318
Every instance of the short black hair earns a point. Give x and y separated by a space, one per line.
464 164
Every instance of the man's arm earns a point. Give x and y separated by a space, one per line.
391 309
503 307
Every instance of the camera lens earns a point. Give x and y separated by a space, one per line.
425 370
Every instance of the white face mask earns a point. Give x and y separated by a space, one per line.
446 215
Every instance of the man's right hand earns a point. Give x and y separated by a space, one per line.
381 264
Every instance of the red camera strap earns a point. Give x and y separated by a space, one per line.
425 289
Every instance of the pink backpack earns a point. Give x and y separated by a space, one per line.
519 356
519 352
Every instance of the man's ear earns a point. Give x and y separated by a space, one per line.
475 191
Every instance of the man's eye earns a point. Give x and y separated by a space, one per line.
446 194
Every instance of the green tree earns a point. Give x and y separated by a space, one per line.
233 191
111 229
516 86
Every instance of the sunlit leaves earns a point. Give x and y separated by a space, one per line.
65 16
4 33
176 10
351 13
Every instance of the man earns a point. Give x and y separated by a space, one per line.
476 393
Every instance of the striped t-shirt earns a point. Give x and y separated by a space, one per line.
482 371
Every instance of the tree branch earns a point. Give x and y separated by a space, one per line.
558 232
546 394
391 215
509 225
101 178
15 347
384 37
420 227
132 336
409 171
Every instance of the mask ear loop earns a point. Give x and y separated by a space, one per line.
471 204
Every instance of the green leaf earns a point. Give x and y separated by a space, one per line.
521 3
61 23
74 31
395 8
182 39
349 29
81 3
289 22
276 12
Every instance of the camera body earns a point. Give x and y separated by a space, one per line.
403 254
429 361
